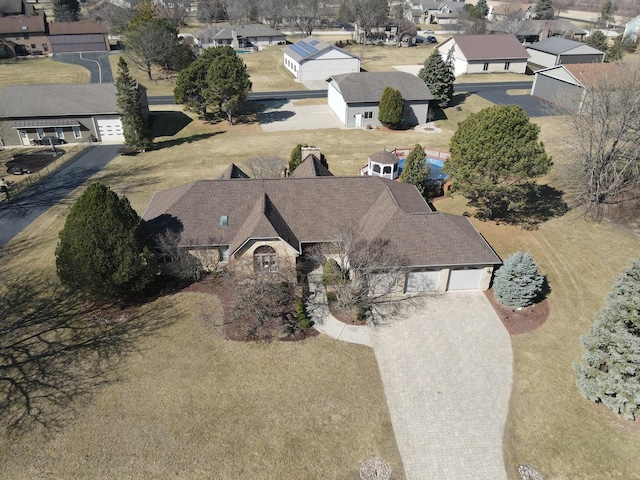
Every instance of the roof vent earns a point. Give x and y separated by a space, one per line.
224 220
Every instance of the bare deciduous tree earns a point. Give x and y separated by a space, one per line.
306 14
184 263
604 132
369 269
266 166
272 12
151 43
174 13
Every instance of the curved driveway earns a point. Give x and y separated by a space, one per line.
24 208
96 62
446 366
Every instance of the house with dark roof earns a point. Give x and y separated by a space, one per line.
85 36
267 225
567 85
531 31
17 7
313 59
422 11
484 54
355 97
555 51
75 113
22 35
239 36
449 12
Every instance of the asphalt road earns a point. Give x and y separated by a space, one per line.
96 62
24 208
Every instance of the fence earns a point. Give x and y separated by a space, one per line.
30 179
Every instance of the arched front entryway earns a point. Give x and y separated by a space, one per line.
265 259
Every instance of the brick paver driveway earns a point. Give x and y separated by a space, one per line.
446 365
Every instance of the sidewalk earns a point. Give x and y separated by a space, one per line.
327 324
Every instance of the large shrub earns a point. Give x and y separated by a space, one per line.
391 108
103 246
518 283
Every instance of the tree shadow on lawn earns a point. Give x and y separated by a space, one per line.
56 350
179 141
535 205
457 100
168 123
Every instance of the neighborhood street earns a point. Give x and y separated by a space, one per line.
24 208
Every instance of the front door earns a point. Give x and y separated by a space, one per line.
358 120
24 138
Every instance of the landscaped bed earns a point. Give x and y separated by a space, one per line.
35 161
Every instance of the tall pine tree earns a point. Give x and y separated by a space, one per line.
391 108
438 76
415 170
134 124
517 282
483 7
610 369
228 83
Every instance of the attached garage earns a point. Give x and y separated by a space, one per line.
422 281
465 279
109 129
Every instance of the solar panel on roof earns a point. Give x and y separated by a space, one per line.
314 42
303 49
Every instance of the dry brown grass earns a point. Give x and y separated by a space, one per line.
191 405
550 425
162 83
38 71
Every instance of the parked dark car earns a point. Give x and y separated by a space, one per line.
15 170
432 39
50 141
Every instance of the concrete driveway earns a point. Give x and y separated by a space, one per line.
446 366
282 115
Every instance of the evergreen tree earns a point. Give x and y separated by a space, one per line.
494 152
544 9
415 170
438 76
615 53
102 248
191 83
128 95
517 282
391 108
228 83
66 10
483 7
597 40
606 13
295 158
610 367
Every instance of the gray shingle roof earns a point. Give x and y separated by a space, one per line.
22 101
384 156
557 46
232 171
311 167
309 210
368 86
490 47
20 23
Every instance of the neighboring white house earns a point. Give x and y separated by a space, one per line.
555 51
355 97
632 28
313 59
485 54
239 36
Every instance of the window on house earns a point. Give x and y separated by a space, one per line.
33 45
485 67
376 168
76 132
40 133
26 36
45 47
265 259
224 220
224 254
507 65
59 132
386 170
368 114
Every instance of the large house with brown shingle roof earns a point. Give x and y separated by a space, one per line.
269 224
485 54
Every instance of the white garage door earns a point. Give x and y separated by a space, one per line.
468 279
426 281
110 129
